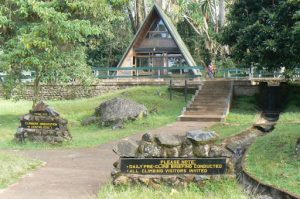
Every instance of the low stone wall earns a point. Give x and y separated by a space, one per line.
73 91
187 149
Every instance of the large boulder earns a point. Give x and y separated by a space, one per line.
298 147
119 110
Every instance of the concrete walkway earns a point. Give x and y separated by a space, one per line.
76 173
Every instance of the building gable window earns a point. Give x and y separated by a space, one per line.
158 30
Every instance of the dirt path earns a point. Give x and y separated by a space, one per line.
76 173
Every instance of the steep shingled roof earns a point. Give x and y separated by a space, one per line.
172 30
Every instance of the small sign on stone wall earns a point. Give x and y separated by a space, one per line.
173 166
39 125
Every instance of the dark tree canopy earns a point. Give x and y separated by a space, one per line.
264 33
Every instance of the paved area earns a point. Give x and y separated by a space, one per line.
76 173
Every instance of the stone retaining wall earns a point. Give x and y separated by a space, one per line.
73 91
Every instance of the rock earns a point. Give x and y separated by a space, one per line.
19 131
171 152
168 140
119 109
115 172
117 164
201 137
118 125
126 148
26 117
200 178
298 147
149 150
121 180
58 139
201 150
218 151
148 137
40 106
264 197
146 181
186 148
52 111
264 127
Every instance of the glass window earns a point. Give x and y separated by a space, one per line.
158 30
176 61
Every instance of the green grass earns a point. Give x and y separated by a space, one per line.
242 115
292 112
272 157
76 110
13 167
226 188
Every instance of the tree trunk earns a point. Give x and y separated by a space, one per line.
36 90
159 2
216 17
139 13
131 18
221 13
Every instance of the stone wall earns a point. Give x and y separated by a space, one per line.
196 144
73 91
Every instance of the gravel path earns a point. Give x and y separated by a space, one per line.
76 173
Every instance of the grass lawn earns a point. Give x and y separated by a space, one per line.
76 110
13 167
242 115
272 157
226 188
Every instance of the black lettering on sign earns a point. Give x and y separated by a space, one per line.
39 125
173 166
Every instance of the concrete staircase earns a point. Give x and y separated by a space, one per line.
210 103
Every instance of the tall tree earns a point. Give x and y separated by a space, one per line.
38 36
262 33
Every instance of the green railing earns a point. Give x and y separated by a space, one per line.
182 72
149 72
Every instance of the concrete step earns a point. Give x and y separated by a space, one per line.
206 106
211 99
204 113
201 118
202 109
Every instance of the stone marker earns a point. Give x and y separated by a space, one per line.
43 124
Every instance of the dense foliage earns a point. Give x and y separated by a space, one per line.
264 33
56 40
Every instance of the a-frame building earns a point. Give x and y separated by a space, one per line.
158 44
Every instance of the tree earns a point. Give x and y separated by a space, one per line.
203 17
44 37
262 33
